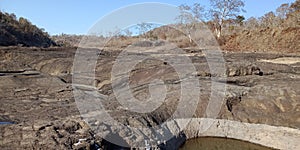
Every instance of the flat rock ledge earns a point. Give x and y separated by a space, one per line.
270 136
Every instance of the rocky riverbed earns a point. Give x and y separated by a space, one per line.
37 97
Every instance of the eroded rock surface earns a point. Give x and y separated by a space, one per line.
36 95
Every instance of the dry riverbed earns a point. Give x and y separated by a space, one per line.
38 108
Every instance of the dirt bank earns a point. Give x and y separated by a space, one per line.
284 40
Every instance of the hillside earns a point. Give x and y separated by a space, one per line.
21 32
66 40
271 32
267 39
276 31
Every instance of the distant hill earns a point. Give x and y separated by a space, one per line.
22 32
275 31
67 40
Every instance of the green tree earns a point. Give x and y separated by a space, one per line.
13 16
239 20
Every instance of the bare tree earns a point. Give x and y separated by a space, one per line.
223 10
283 10
198 11
295 6
252 23
185 15
269 20
144 27
190 16
293 18
127 32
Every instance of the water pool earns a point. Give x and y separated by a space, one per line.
210 143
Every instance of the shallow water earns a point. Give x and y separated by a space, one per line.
4 123
209 143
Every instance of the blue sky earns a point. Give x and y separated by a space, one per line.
78 16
